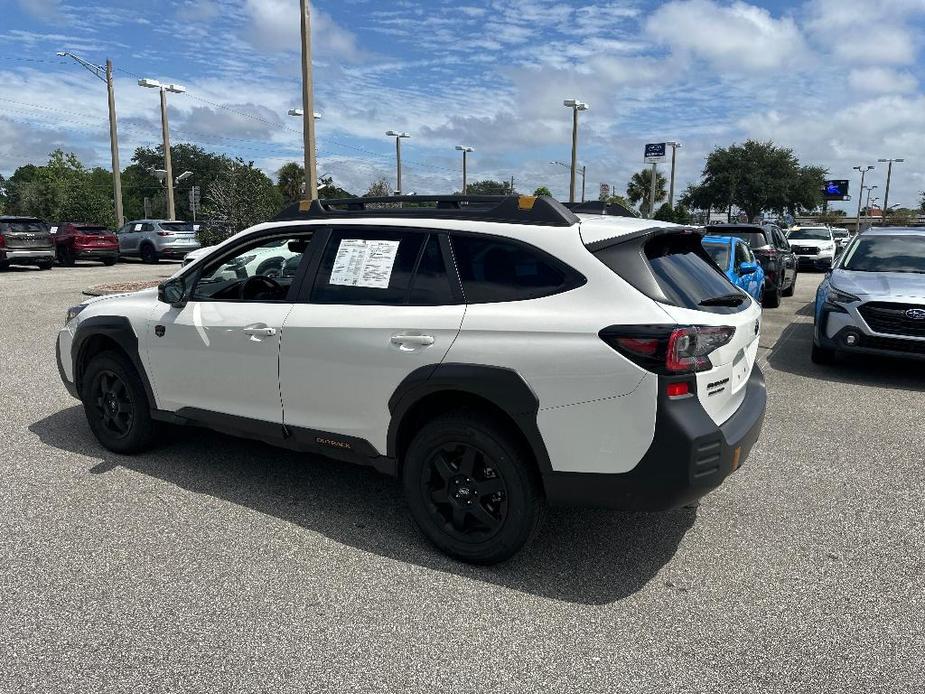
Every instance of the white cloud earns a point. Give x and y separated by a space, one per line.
736 37
275 26
880 80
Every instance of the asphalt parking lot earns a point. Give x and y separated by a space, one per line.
216 564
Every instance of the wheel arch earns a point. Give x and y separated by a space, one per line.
102 333
433 390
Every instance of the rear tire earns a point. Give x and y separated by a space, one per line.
793 286
116 405
772 298
66 256
46 266
109 262
149 254
471 488
822 355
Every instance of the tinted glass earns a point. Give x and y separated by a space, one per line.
223 279
719 252
755 239
92 230
840 233
780 240
741 254
886 254
24 225
431 284
498 270
810 235
683 275
367 267
177 226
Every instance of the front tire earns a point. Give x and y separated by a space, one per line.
66 256
149 254
772 298
793 286
472 489
109 262
822 355
116 404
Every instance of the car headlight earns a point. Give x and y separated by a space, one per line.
72 312
837 296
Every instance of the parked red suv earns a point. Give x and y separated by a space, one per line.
75 241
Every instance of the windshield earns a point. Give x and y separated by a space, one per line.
719 252
755 239
810 235
177 226
886 254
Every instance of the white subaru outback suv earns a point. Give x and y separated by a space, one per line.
496 354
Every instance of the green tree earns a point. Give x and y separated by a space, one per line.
922 203
901 216
542 190
380 188
4 199
290 178
638 190
489 187
328 191
241 196
679 214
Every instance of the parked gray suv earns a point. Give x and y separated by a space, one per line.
873 300
25 241
153 239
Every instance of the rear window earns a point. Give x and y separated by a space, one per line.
755 239
494 269
177 226
23 225
92 230
683 274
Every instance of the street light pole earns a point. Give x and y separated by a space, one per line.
863 174
171 210
867 204
576 106
584 173
105 74
398 138
675 146
315 117
465 150
308 110
886 193
653 179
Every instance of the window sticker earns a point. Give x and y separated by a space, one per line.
138 227
361 263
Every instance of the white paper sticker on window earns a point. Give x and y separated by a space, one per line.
138 227
360 263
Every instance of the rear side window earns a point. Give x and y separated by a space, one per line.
376 266
493 269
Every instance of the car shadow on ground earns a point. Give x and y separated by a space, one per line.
580 555
791 354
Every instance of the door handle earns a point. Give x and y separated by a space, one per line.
260 332
419 340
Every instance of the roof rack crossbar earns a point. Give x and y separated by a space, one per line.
515 209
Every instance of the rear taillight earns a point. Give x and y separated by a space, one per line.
165 233
668 349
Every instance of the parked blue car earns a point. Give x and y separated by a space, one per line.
736 259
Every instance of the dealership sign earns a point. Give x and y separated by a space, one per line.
835 190
655 152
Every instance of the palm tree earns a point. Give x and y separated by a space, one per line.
639 189
290 179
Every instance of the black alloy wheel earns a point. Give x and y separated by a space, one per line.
468 498
148 254
113 404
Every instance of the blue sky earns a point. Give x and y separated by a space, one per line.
839 81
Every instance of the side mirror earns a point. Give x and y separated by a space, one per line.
173 292
748 268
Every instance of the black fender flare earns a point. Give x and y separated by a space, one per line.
119 330
503 387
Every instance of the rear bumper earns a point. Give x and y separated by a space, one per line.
28 255
96 252
690 455
176 251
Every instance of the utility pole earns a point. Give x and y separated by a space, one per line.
171 210
399 136
886 193
512 184
675 146
465 150
308 109
652 190
576 106
861 193
584 173
105 74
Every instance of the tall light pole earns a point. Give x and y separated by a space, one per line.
165 131
576 106
867 204
675 146
399 136
308 109
465 150
863 171
583 172
104 73
886 193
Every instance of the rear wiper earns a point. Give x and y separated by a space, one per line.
724 300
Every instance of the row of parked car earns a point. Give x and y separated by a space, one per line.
31 241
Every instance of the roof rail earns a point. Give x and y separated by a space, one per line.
614 209
516 209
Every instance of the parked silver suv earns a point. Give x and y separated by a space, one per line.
873 300
153 239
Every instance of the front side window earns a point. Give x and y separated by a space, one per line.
262 271
494 269
719 252
741 254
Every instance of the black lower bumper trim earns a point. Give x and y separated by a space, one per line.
71 388
869 344
690 456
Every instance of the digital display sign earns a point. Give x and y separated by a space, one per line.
835 190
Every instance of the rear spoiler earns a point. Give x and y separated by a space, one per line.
645 234
613 209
